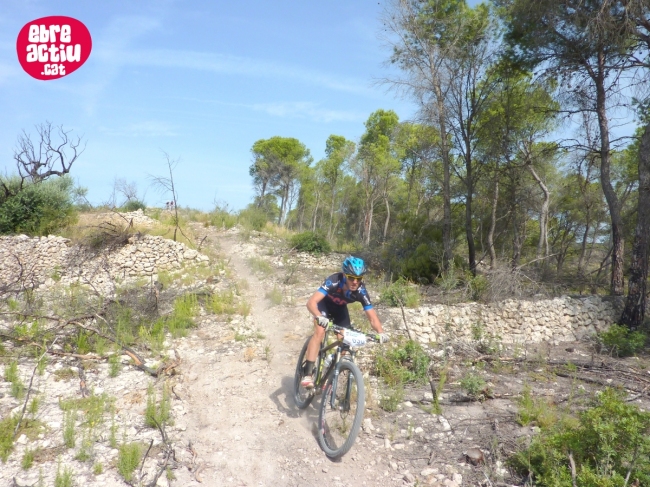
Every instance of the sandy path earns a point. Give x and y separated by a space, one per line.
239 415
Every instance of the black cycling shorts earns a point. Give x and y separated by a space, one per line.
335 312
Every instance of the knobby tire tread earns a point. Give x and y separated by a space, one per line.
334 451
301 401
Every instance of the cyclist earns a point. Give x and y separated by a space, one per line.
330 302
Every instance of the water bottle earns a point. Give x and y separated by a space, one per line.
328 361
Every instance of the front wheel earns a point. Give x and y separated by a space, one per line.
341 410
301 395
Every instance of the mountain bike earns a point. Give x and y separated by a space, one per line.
340 381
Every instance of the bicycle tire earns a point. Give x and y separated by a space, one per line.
339 426
301 396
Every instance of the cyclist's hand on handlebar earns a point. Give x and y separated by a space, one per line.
323 321
383 337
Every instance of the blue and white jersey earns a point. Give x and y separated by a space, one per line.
332 288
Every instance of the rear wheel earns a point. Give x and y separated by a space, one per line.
341 410
301 395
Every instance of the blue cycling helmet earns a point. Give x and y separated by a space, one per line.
354 266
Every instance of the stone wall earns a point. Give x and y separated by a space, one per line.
47 261
512 321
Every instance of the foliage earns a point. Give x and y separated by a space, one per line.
7 426
473 384
275 296
28 459
535 410
402 362
157 414
12 376
221 218
401 292
312 242
260 265
391 398
621 341
607 442
415 255
253 218
63 478
39 208
128 459
133 205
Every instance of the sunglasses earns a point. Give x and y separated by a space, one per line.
352 277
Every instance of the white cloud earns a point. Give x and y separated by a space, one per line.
227 64
308 110
150 128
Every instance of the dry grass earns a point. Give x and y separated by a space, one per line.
249 354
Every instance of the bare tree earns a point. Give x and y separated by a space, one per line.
166 185
51 155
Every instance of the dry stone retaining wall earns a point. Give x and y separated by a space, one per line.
512 321
48 261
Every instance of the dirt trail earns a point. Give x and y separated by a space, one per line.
240 419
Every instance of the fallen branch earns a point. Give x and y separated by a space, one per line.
29 390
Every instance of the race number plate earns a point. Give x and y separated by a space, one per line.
354 339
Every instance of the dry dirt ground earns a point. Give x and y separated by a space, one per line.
245 429
235 423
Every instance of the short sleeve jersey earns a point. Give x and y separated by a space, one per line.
332 288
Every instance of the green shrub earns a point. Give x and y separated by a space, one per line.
535 410
402 363
157 414
312 242
12 376
28 459
391 398
607 442
220 217
473 384
401 292
252 218
7 426
63 478
37 208
133 205
621 341
128 459
274 295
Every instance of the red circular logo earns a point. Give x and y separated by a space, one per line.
53 47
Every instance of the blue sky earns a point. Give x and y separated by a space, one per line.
201 81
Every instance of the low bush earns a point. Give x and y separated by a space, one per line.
608 445
221 218
621 341
128 459
402 363
133 205
312 242
252 218
401 292
37 208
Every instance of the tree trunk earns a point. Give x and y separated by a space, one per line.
583 246
368 222
469 234
618 243
634 311
446 182
313 225
387 218
493 224
542 245
329 231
